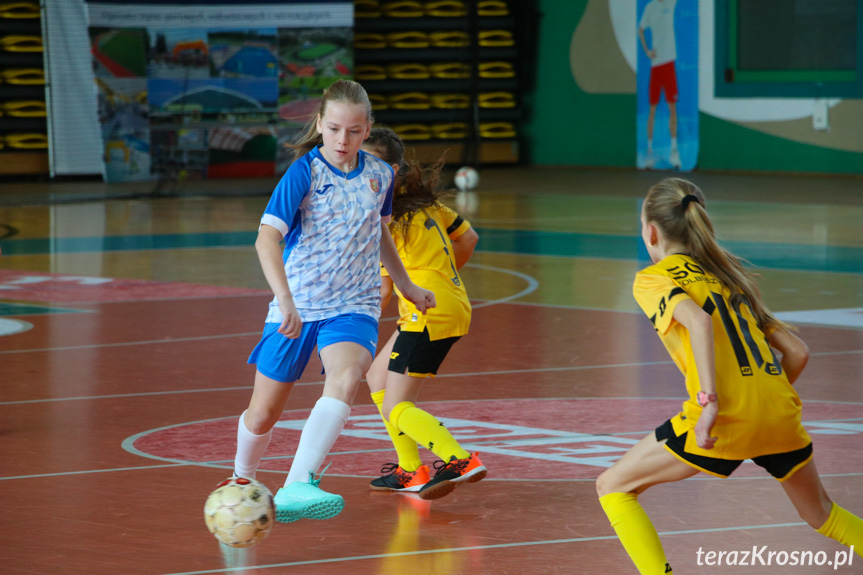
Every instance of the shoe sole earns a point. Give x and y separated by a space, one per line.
411 489
321 510
474 475
438 490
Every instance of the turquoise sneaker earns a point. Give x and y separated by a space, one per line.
306 501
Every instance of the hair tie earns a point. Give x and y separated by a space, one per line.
687 199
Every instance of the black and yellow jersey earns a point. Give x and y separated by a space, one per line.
425 248
759 410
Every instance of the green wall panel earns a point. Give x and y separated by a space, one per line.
729 146
567 126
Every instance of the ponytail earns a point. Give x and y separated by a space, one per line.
677 207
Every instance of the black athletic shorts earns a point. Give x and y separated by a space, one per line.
415 354
779 465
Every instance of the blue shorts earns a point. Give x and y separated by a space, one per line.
284 359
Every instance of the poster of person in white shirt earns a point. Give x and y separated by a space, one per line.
667 78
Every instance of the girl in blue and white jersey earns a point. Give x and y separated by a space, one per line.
331 208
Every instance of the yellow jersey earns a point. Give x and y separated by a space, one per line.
759 410
425 248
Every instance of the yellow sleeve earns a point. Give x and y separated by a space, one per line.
658 295
455 224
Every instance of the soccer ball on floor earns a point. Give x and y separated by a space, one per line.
466 178
240 512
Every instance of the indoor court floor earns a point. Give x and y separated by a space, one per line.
127 318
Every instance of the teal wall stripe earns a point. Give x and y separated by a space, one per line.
18 247
845 259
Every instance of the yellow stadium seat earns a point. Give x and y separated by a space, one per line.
23 76
492 8
379 102
367 9
409 132
496 38
496 130
450 39
408 71
369 40
410 101
450 101
403 9
446 9
17 43
450 70
25 108
27 141
496 100
451 131
411 39
496 70
19 10
370 72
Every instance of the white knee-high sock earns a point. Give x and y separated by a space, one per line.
320 432
250 449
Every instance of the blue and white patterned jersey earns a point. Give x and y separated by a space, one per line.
331 222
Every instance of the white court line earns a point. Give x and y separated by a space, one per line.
257 334
440 376
229 467
480 548
532 285
128 343
128 445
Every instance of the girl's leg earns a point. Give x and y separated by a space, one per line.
377 377
424 428
400 388
806 492
647 463
377 374
344 364
618 487
421 426
255 427
402 391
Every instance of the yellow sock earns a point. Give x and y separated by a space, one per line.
406 448
425 429
636 532
844 527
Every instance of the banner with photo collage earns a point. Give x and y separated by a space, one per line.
193 91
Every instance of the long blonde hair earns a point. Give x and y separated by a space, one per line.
341 91
687 223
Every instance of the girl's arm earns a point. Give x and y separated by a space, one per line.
268 246
700 327
386 291
422 298
463 247
795 352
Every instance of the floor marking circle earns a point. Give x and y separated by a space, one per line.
549 439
